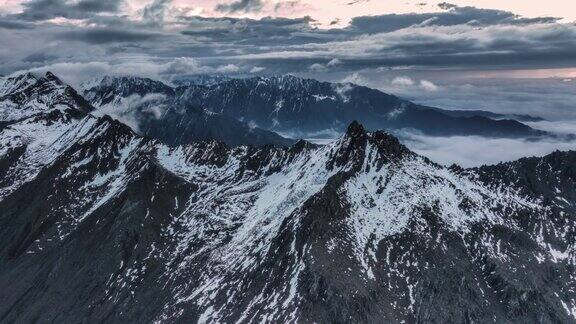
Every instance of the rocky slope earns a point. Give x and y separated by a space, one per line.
101 225
25 95
550 179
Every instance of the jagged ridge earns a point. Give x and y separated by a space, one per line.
361 229
155 112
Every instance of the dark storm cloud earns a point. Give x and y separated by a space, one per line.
241 6
105 36
454 16
404 40
251 31
39 57
38 10
14 24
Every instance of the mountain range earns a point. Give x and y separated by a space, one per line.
295 107
101 224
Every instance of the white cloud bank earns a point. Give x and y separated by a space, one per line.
471 151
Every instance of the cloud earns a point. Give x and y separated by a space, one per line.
37 10
107 35
564 127
319 67
14 24
428 86
454 16
228 68
132 109
459 38
471 151
154 13
257 69
38 57
355 78
402 81
241 6
334 62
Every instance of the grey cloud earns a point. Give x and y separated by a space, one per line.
241 6
286 5
447 6
455 16
39 57
266 32
107 35
38 10
471 151
155 11
14 24
461 37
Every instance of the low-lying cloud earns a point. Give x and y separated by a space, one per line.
471 151
131 110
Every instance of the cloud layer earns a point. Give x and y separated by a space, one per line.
455 37
471 151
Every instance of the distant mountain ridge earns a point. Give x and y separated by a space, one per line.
491 115
156 114
304 107
289 103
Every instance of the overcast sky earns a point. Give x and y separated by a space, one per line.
513 56
295 36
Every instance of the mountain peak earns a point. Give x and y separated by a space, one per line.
53 78
389 145
355 129
16 82
352 147
27 75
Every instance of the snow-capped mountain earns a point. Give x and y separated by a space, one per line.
151 109
26 95
98 224
293 105
550 179
300 107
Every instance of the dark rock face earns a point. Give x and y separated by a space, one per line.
98 224
551 178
